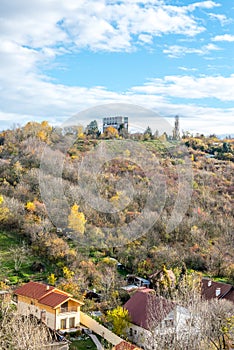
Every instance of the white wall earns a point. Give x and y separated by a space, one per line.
67 316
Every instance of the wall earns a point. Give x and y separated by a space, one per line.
26 309
99 329
67 316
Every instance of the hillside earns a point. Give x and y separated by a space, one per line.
74 250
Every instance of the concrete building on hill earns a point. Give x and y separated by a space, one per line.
119 123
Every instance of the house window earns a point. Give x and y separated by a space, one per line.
63 323
130 332
72 322
43 316
135 331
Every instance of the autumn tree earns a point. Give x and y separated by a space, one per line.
120 319
76 220
111 133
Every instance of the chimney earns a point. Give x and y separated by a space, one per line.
47 287
217 292
209 283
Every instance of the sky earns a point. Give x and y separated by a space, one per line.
174 57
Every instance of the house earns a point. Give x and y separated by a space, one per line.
216 290
57 309
151 315
137 281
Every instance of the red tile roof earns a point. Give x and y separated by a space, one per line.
146 309
126 346
210 287
53 299
44 294
34 290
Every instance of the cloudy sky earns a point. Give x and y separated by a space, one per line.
58 58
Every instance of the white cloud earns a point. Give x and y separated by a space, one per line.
203 5
189 87
225 37
145 38
186 69
33 33
221 18
175 51
99 25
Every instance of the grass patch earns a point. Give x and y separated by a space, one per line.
7 266
82 345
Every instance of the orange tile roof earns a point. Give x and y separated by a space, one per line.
126 346
53 299
44 294
34 290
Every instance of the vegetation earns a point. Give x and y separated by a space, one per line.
201 245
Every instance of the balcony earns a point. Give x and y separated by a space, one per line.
68 309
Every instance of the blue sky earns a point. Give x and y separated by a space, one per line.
173 57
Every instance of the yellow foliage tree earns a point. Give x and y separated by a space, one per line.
120 319
68 274
111 133
52 279
4 211
30 206
76 219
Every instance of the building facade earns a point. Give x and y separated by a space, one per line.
57 309
118 122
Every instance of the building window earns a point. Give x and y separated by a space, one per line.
63 323
72 322
130 332
43 316
135 331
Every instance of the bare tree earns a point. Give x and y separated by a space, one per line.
18 332
19 255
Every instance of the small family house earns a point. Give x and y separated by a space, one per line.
151 315
216 290
57 309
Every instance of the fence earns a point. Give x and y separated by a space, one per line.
99 329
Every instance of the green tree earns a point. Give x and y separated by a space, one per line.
148 133
92 129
